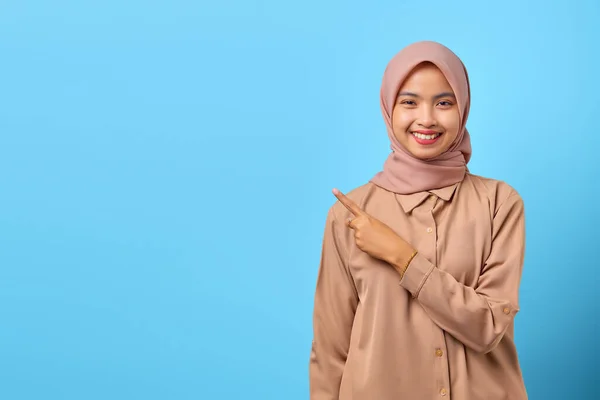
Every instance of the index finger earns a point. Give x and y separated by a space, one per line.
349 204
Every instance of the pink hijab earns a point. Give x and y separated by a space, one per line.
403 173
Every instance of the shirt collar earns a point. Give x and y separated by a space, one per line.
410 201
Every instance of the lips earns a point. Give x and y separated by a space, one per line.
426 135
426 138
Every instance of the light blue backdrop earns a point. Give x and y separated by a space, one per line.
166 168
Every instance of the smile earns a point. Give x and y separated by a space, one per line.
426 139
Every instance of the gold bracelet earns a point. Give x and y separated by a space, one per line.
408 263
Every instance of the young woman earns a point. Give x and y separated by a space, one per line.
419 277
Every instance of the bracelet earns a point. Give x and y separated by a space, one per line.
408 263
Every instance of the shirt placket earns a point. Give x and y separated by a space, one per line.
439 348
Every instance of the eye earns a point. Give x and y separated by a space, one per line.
408 102
445 103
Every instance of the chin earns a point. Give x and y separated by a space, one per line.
425 154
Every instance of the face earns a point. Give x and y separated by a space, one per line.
425 119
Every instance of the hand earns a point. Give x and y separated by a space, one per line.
374 237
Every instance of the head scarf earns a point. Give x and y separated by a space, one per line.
402 172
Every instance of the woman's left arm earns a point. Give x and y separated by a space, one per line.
478 316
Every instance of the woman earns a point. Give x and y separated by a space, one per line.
420 270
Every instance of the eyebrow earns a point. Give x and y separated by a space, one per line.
437 96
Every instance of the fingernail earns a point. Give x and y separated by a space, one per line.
335 191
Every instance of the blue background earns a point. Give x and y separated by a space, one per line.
166 168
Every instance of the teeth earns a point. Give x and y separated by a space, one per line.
426 137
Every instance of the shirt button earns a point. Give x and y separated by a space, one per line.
439 353
506 310
429 230
443 392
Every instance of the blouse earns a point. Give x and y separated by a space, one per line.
445 329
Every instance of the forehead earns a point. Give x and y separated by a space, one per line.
424 77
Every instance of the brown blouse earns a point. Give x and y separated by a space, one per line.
442 331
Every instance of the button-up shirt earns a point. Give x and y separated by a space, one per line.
445 329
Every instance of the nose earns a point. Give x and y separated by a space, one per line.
426 118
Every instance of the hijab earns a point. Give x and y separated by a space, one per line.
402 172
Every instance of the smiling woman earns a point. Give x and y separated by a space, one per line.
426 116
420 269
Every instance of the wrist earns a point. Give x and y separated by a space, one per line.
403 256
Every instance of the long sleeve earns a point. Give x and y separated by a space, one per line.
479 316
335 304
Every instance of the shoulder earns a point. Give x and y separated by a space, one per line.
498 192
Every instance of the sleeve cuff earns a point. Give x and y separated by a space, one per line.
416 274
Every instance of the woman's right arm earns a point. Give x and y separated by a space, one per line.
335 303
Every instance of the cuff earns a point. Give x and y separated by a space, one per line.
416 274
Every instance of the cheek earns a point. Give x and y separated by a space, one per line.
402 120
451 123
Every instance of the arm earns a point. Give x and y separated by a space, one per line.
479 316
335 303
